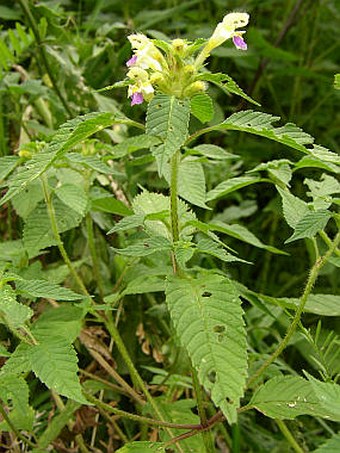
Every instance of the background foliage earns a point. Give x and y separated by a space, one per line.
72 169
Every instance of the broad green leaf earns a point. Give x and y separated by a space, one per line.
14 392
202 107
146 247
68 135
43 288
311 161
109 204
54 362
167 119
73 196
142 447
7 165
243 234
294 209
278 170
13 313
324 154
27 200
286 397
321 190
207 316
328 394
333 444
231 185
310 225
132 144
37 231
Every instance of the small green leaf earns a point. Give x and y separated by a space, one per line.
202 107
310 225
13 313
207 317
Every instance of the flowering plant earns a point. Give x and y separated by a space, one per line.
173 68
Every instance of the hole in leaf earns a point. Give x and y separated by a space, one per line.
219 329
212 376
229 400
206 294
220 337
158 106
171 128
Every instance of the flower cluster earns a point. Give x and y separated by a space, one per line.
172 68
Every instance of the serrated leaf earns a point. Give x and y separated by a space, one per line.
231 185
167 119
278 170
286 397
27 200
127 223
73 196
142 447
68 135
37 230
207 316
322 190
328 394
310 225
13 313
259 123
311 161
210 247
43 288
54 362
227 84
333 444
202 107
15 393
294 209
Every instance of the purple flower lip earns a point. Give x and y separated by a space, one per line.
132 61
137 98
239 43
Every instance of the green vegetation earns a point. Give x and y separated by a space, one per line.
169 255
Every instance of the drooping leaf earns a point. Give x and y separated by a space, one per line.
319 304
167 119
146 247
210 247
109 204
43 288
202 107
309 225
207 317
231 185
